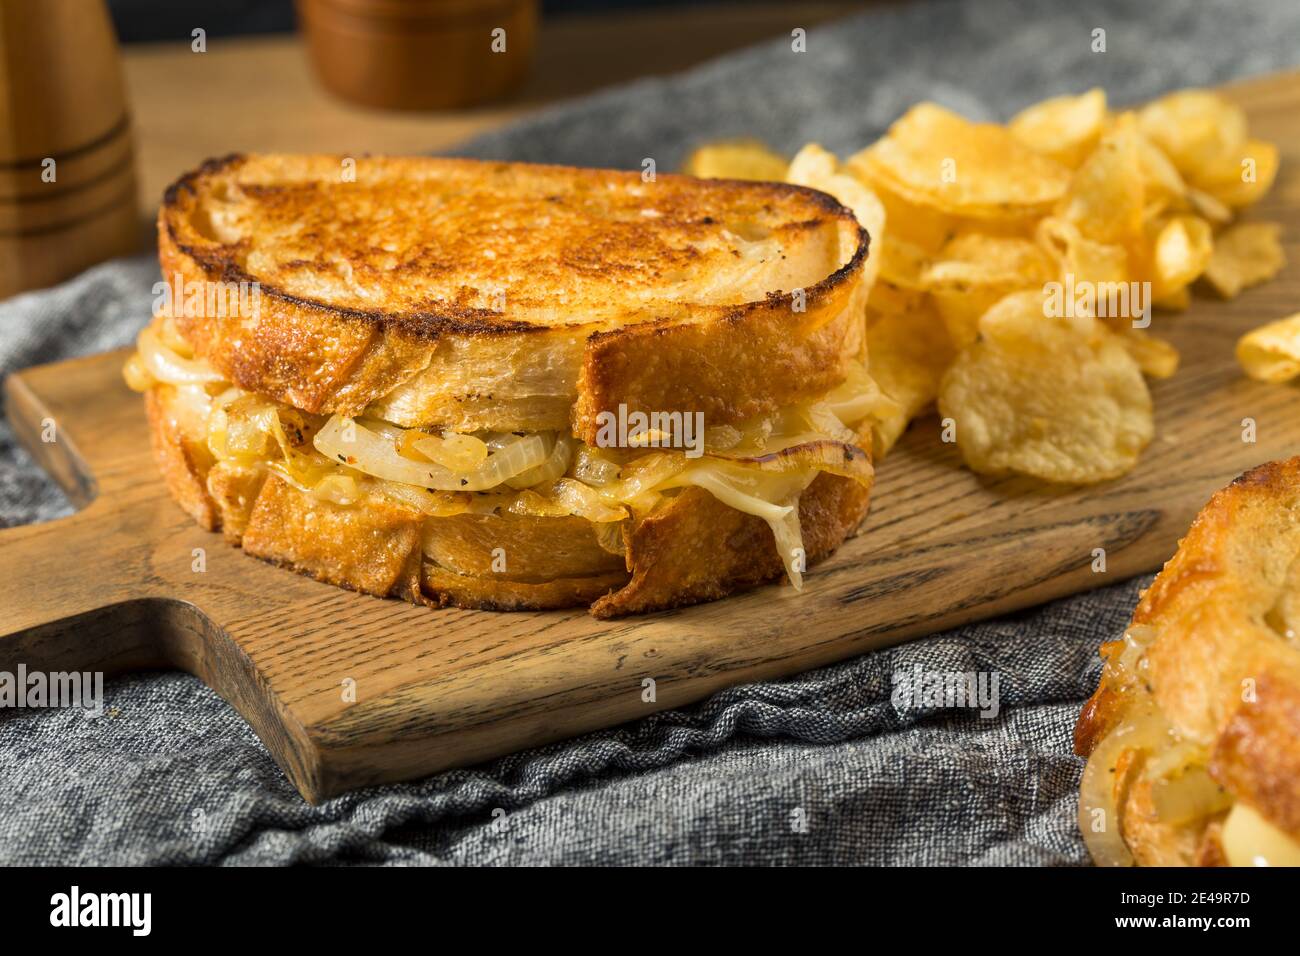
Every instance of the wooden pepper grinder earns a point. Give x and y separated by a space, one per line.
419 54
67 168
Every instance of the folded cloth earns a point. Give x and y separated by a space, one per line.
838 765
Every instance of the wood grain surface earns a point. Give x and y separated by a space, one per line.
114 586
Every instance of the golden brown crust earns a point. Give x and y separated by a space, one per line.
508 547
628 276
1153 843
443 588
694 549
1102 711
697 549
1211 852
375 549
234 491
1223 662
1257 756
751 362
183 463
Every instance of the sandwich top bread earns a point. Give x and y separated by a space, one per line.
464 294
511 386
1193 735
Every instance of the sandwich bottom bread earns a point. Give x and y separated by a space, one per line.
621 531
1193 736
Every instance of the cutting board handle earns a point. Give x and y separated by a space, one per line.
70 595
63 601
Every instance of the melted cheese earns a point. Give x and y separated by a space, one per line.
759 468
1250 840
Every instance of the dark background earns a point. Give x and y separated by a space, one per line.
140 21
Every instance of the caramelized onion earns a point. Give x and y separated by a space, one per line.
372 453
640 478
735 489
1187 795
340 489
530 502
609 535
1144 731
592 468
454 452
857 396
432 503
555 465
759 468
514 459
584 501
167 366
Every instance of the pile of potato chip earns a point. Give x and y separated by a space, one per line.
1016 266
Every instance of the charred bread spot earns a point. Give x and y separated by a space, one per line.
209 167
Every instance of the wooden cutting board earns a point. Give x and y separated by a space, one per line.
114 586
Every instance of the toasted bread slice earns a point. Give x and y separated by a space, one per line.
472 295
1195 728
671 558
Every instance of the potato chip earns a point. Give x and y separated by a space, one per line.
1107 193
1196 129
1057 398
736 159
1244 255
819 168
1158 207
1012 261
813 162
902 263
1066 128
923 227
1177 301
1172 252
907 354
961 312
889 299
1156 357
1180 253
1080 259
975 270
1271 353
934 157
1160 176
1242 178
1208 207
980 258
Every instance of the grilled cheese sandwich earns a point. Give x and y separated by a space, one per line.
438 342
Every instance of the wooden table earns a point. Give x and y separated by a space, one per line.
259 94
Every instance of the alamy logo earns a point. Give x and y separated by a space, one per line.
33 689
213 300
103 909
921 689
651 430
1105 300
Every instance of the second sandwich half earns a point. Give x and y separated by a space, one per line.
506 386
